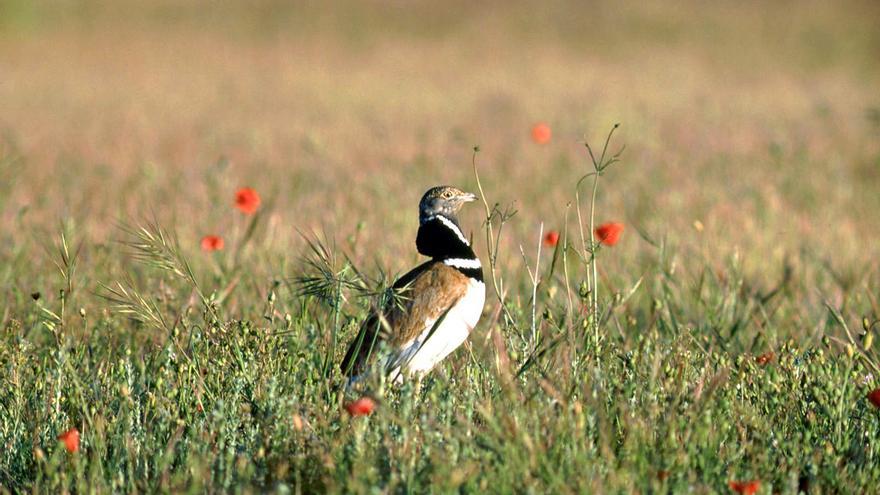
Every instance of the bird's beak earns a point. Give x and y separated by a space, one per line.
468 197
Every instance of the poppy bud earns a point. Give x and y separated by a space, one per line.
584 290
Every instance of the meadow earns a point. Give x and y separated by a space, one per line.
725 344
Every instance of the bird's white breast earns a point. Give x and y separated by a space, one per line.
421 355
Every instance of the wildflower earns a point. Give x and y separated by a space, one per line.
70 439
745 487
541 133
765 358
609 233
551 238
662 475
212 243
247 200
874 397
361 407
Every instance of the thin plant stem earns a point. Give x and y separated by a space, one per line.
587 252
594 310
599 166
535 278
492 241
565 263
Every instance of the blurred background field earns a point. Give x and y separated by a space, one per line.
759 121
752 135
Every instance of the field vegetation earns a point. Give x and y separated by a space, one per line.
724 343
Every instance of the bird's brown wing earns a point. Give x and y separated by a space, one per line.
373 331
427 292
433 292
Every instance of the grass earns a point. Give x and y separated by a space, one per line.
727 336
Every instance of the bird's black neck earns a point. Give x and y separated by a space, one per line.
441 238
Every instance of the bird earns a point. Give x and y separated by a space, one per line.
439 303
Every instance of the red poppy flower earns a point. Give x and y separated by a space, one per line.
361 407
70 439
765 358
609 233
551 238
874 397
247 200
745 487
541 133
212 243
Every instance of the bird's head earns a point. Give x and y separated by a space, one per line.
443 200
